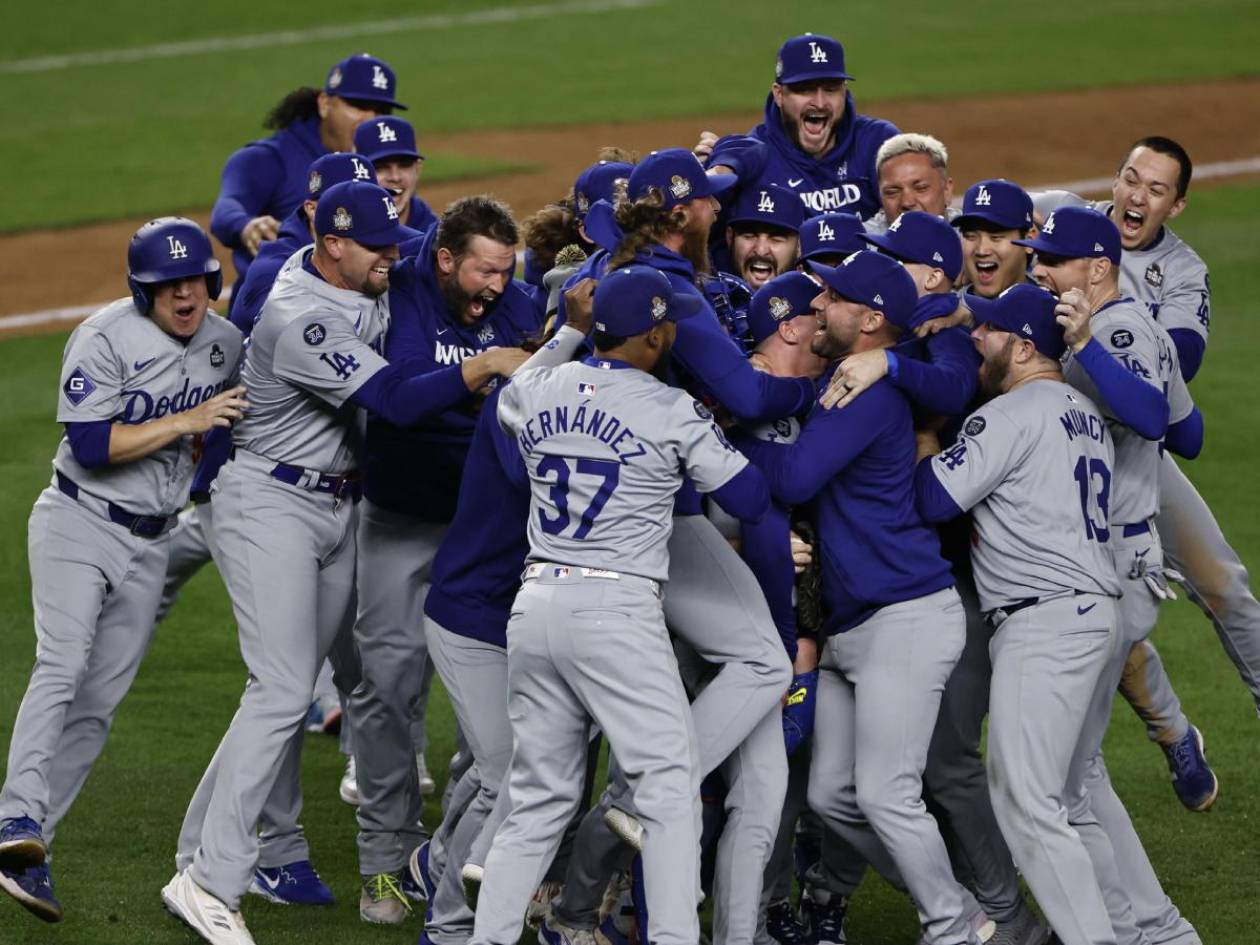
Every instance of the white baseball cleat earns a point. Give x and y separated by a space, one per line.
204 913
626 826
348 790
471 876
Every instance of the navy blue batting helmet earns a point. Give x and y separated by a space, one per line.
169 248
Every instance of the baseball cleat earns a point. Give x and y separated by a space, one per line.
382 901
1192 777
294 884
540 903
204 913
626 826
418 868
348 790
1024 928
471 875
783 925
32 888
427 784
827 919
21 844
551 931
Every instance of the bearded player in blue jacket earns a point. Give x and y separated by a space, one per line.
812 141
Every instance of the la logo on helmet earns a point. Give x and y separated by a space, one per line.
177 249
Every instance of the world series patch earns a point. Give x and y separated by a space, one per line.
217 356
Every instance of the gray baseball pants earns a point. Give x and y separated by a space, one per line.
287 556
879 691
583 649
1139 908
395 557
94 589
1047 663
190 551
1217 581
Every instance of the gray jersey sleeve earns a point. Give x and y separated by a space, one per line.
320 352
1187 299
707 456
989 445
91 378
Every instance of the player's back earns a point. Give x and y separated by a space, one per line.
1043 530
606 447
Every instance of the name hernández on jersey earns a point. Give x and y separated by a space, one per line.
600 424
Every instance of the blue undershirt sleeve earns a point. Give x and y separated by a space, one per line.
745 495
89 441
248 179
766 547
930 497
1140 406
1190 350
405 399
1185 437
947 383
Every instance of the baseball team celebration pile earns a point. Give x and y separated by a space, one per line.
770 466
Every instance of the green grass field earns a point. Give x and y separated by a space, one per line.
130 139
145 137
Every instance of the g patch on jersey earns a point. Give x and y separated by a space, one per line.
975 426
1121 338
315 334
78 387
217 357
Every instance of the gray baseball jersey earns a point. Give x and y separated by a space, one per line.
597 496
1023 462
1130 336
1168 277
312 347
878 224
120 366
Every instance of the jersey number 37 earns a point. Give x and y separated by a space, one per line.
608 470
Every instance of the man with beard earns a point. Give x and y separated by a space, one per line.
456 314
888 592
818 146
712 601
285 540
1018 465
390 144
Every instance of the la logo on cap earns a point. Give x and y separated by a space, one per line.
387 133
360 170
895 226
390 210
379 80
1027 328
816 53
983 199
765 204
1048 226
825 232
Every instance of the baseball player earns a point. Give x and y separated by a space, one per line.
265 181
995 213
1159 269
142 380
390 144
457 315
1045 581
818 146
587 637
829 237
912 173
286 515
761 234
1125 363
888 590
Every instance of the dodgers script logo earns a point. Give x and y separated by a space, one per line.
140 406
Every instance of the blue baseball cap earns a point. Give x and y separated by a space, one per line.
810 58
386 137
771 205
780 299
364 78
1077 233
679 175
831 234
997 202
1024 310
360 211
874 280
334 169
920 237
598 182
632 300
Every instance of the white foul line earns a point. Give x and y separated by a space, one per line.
1092 185
341 31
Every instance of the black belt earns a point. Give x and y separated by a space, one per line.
347 486
1137 528
1007 611
146 526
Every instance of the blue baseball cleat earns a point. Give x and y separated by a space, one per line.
32 888
1192 776
418 871
783 925
294 884
21 844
